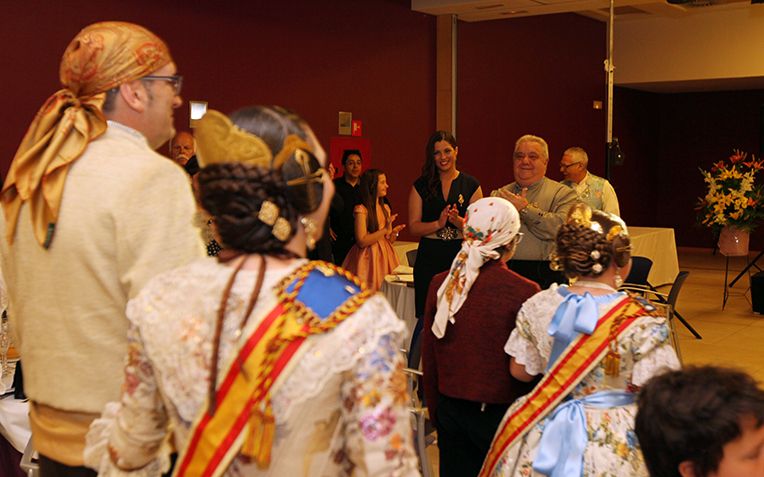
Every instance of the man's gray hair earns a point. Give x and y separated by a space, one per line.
579 153
537 140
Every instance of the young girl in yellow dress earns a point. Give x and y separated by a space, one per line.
372 257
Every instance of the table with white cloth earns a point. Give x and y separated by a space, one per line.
401 299
14 427
656 243
401 247
659 245
14 413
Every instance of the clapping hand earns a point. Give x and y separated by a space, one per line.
518 200
396 230
389 224
454 217
444 216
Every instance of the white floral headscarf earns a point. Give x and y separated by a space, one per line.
489 223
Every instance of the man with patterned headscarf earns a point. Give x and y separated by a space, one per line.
91 213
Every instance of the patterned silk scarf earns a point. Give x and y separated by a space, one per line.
101 57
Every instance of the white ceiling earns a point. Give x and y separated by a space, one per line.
653 32
480 10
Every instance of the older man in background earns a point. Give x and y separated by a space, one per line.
91 213
593 190
183 152
543 205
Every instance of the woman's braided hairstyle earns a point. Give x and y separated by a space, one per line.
583 250
233 193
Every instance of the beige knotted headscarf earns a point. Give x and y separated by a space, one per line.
102 56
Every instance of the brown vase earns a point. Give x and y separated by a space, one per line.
733 242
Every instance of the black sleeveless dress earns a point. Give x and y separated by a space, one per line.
435 255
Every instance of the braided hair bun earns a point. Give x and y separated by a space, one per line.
589 241
233 193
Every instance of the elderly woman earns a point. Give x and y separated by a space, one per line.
260 362
469 315
594 347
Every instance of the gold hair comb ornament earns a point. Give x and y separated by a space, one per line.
614 231
292 143
220 141
269 215
281 229
581 214
269 212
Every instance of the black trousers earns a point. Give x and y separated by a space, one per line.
465 434
52 468
538 271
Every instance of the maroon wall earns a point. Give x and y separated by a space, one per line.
666 138
635 124
374 58
536 75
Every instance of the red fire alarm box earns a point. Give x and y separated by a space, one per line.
356 128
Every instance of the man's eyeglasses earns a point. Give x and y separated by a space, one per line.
519 156
175 80
566 166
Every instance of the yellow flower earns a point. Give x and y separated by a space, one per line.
622 450
371 399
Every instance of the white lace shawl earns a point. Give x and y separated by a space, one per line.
174 317
531 345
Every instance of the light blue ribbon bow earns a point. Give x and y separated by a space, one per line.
576 314
561 449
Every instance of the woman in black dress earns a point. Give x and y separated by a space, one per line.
437 203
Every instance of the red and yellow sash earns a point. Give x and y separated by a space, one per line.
242 421
581 356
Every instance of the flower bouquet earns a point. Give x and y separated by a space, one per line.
734 202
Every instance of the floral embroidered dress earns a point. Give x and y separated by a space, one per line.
372 263
612 448
341 410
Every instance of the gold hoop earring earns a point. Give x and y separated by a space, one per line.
309 225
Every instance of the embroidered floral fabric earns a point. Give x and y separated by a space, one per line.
612 448
340 411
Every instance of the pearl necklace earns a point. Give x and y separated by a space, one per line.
593 284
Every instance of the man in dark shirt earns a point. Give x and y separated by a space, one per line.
345 199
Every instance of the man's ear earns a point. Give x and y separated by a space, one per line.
687 469
134 94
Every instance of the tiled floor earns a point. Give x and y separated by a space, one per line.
733 337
